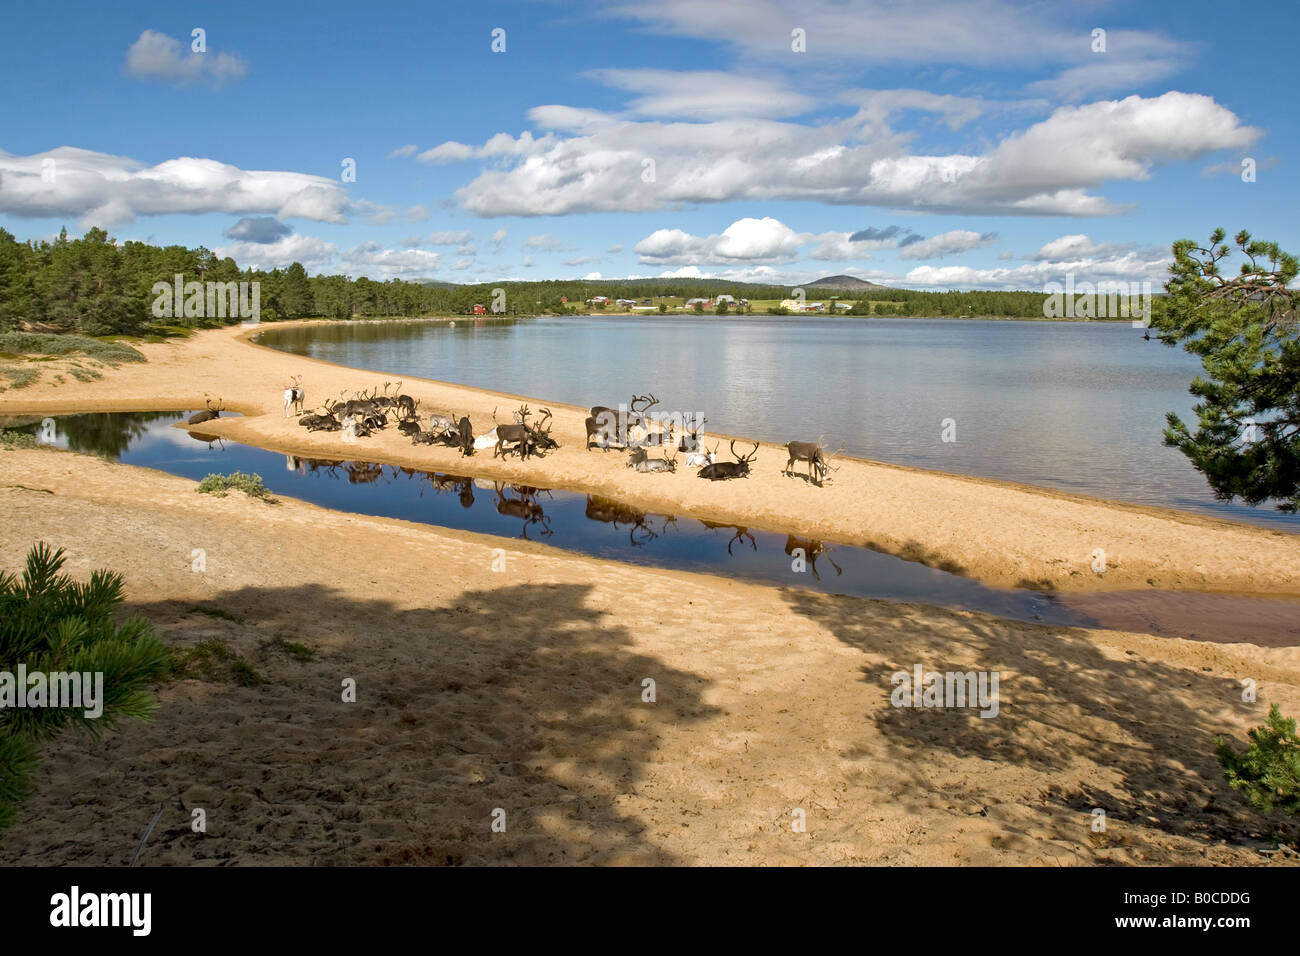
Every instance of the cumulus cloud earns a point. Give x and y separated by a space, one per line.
748 240
947 244
499 236
373 259
581 260
1078 246
1046 169
451 238
547 242
105 190
312 252
159 57
403 151
258 229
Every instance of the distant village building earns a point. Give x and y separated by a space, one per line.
692 303
598 300
730 300
479 310
647 302
625 302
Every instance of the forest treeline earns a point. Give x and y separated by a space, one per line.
98 286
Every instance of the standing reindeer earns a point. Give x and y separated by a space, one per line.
294 396
813 454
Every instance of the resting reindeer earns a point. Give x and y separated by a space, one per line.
294 396
198 418
639 462
726 470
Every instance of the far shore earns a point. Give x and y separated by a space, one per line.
1001 533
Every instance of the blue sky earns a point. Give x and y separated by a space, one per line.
933 145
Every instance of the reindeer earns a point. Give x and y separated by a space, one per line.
198 418
603 418
639 462
726 470
294 396
698 459
526 439
814 455
742 534
812 550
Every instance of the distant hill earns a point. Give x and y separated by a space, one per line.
845 283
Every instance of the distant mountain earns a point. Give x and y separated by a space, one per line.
845 283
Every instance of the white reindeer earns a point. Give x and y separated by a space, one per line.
294 396
488 440
349 433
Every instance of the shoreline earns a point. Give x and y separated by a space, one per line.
1000 533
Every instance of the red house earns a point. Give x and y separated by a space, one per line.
480 310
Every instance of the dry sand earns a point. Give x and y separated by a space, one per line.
521 689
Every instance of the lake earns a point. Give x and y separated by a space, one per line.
1076 406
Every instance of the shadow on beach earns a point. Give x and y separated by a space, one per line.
1131 736
520 698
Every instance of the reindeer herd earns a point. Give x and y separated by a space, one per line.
632 428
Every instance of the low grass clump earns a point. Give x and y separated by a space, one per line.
212 661
220 485
19 376
39 343
16 439
220 612
299 652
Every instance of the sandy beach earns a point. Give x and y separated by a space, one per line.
521 688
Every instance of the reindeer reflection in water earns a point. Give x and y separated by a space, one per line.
616 513
742 534
812 550
524 506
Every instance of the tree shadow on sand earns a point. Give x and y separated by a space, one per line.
520 698
1148 725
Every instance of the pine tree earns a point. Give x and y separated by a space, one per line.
51 623
1246 331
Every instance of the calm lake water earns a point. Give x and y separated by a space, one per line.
1076 406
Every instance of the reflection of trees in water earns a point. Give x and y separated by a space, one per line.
107 434
301 341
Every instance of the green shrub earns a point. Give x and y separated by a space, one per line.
53 624
35 343
16 439
1267 771
250 485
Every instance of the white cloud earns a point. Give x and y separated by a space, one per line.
372 259
105 190
702 94
947 244
312 252
546 241
581 260
451 238
1046 169
499 236
403 151
156 56
749 240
